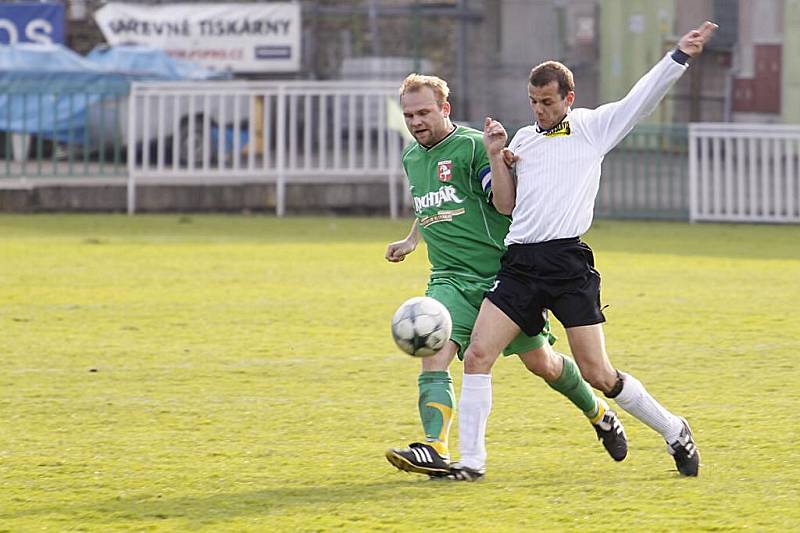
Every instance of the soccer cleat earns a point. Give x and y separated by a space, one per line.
459 472
685 452
419 458
611 433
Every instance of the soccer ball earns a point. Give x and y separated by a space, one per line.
421 326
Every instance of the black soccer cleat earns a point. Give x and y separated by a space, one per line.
611 433
685 452
459 472
419 458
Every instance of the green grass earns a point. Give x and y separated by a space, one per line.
236 374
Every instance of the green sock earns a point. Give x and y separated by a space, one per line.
436 400
573 386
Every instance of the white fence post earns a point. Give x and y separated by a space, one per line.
131 135
693 177
280 186
20 144
393 157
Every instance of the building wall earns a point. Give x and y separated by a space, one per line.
502 45
634 35
790 88
745 75
701 94
526 35
758 66
528 32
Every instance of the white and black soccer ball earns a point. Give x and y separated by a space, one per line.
421 326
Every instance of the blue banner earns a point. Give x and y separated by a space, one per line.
31 22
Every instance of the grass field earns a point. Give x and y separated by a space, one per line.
230 373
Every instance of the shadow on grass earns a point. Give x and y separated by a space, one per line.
226 506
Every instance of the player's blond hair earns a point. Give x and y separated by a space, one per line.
415 82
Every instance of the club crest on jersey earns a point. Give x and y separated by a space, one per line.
445 170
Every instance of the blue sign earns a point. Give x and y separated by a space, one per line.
31 22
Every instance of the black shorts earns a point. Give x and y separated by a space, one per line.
558 275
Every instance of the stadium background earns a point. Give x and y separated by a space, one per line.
744 77
235 372
470 41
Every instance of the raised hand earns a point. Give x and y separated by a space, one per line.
494 136
692 43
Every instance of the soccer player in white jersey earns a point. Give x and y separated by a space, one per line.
450 182
551 200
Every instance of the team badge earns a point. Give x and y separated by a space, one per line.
445 169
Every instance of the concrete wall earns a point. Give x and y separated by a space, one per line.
634 35
44 197
524 33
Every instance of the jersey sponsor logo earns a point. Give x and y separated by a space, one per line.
441 216
445 170
562 130
437 198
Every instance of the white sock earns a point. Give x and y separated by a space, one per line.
635 399
473 412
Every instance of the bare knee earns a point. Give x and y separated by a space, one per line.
478 359
600 377
441 360
544 363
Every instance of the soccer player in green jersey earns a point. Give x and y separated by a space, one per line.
450 181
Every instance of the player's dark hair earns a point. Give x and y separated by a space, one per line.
551 71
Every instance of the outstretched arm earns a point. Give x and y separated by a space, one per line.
608 124
504 189
397 251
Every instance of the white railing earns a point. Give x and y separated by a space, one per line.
744 172
272 132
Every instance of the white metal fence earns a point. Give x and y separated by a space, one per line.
291 132
744 172
646 175
229 132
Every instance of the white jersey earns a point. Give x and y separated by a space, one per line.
558 173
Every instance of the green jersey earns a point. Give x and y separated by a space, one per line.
451 188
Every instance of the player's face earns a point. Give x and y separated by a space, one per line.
426 121
548 105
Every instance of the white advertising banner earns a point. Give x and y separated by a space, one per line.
236 37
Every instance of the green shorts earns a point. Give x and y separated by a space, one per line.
463 299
